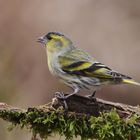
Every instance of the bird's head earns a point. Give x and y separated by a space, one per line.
55 42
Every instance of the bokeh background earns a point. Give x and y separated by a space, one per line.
109 30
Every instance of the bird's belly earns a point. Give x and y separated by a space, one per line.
81 82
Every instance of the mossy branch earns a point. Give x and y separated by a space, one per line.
85 117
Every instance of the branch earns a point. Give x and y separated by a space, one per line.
80 104
88 118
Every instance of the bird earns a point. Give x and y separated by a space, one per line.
77 68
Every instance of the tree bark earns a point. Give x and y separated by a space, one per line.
94 106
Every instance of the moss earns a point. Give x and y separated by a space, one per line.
106 126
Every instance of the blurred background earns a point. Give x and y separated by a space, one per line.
109 30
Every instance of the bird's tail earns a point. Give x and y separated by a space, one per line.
130 81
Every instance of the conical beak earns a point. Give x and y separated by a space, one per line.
42 40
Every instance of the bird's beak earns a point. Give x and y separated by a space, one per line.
42 40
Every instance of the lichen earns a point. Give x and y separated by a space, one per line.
107 126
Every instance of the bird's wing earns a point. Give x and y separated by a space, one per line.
77 62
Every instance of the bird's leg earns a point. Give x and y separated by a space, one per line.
92 96
75 91
61 96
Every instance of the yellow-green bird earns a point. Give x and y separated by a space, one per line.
77 68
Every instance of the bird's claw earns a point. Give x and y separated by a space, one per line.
61 96
92 97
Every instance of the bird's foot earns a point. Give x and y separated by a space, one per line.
92 97
61 96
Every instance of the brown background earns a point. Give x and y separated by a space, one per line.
110 30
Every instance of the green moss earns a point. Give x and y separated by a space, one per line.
108 126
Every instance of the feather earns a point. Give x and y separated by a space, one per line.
128 81
77 62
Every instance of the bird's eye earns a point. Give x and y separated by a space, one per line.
49 37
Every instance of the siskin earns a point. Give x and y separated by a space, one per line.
77 68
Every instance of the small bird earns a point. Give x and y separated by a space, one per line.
77 68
